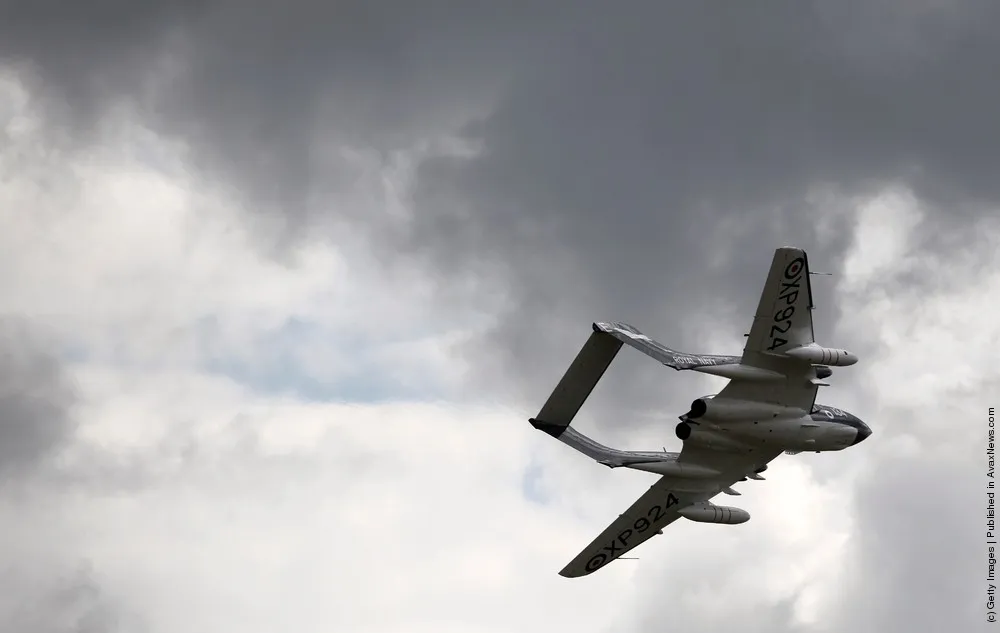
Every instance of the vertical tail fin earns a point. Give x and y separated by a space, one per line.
784 315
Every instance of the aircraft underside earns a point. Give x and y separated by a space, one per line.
766 409
826 429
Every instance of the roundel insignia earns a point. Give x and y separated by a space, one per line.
793 268
594 563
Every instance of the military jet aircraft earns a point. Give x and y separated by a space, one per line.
767 408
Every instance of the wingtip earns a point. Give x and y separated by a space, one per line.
574 569
791 251
555 430
605 327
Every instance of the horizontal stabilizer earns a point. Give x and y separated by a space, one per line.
580 379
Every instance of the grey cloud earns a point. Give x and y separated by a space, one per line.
917 547
261 90
642 131
35 399
86 54
618 141
727 109
72 603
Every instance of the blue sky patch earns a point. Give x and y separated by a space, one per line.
278 367
530 483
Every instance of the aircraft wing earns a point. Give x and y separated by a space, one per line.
653 511
660 506
783 321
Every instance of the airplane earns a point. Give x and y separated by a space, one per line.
767 408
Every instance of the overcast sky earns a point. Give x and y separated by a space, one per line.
281 283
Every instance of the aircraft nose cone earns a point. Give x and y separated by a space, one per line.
863 434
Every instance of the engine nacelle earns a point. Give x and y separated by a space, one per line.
710 513
732 410
708 439
823 355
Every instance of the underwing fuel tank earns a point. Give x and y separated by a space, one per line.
711 513
823 355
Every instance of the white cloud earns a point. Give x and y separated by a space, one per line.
313 516
200 502
127 258
882 238
933 341
924 386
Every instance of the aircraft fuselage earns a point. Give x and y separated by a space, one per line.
826 428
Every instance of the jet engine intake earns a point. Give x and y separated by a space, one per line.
710 513
683 431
